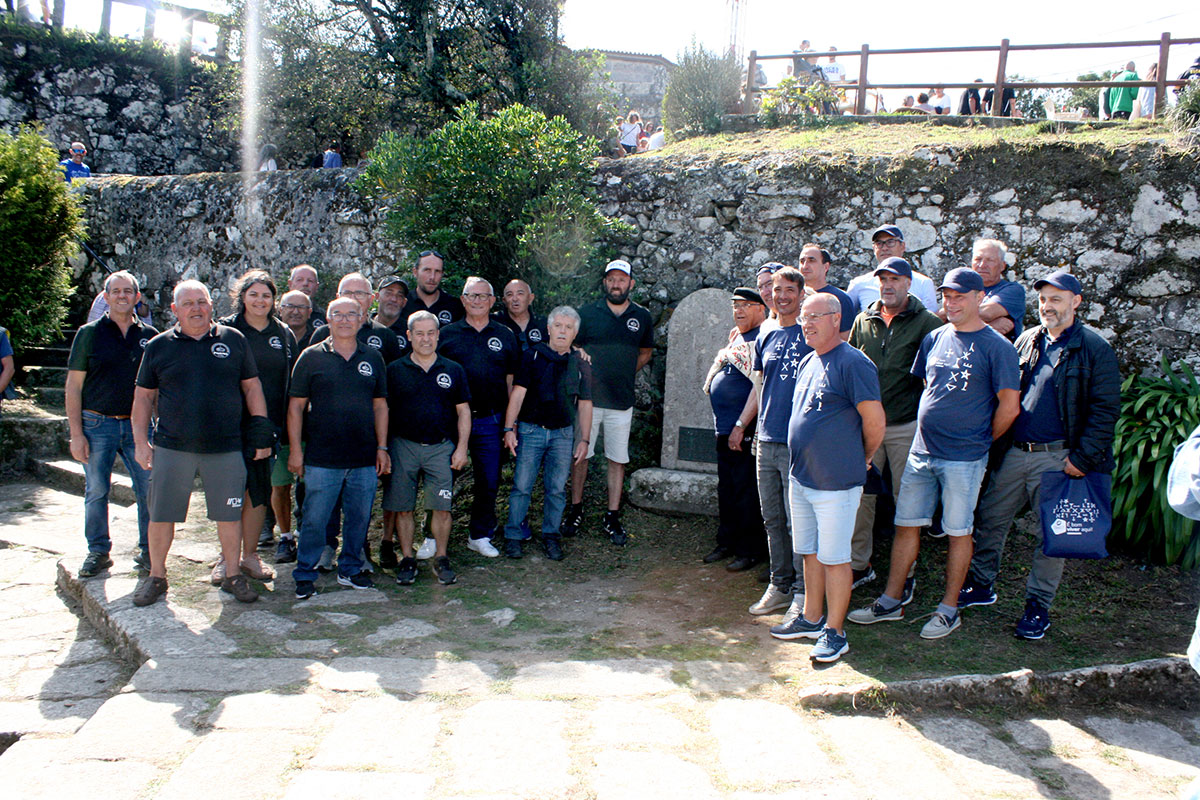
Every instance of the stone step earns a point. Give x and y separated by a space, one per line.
69 475
25 438
53 396
42 375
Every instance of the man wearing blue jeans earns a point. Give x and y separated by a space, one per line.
552 393
971 397
338 406
101 371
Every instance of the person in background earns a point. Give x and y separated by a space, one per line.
333 157
529 328
630 131
73 166
266 159
7 368
923 104
1120 98
939 100
970 104
1147 94
658 139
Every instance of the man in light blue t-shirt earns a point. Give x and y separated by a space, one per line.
971 397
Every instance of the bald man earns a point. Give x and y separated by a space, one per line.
517 315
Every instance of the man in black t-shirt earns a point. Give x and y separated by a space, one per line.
389 312
429 295
618 334
338 406
525 325
100 373
489 353
429 420
552 389
303 278
371 333
196 375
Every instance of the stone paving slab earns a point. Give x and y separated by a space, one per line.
224 675
40 769
309 784
748 733
241 763
976 757
45 717
621 775
626 723
402 737
267 711
611 678
410 675
510 748
1150 745
155 727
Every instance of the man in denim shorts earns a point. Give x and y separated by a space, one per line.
971 397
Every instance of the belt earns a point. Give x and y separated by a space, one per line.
108 416
1040 447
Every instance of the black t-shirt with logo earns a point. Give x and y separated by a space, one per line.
400 328
339 424
534 332
446 308
488 356
275 352
372 334
111 361
199 383
613 343
422 403
553 383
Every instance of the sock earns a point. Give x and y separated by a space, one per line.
887 603
285 534
949 611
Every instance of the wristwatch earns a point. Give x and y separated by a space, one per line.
509 430
739 424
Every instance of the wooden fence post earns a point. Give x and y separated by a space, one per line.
105 18
1001 74
748 97
1160 91
860 101
148 28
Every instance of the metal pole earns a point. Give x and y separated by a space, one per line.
1001 70
860 102
1160 91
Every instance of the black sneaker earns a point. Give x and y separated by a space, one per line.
360 581
612 526
149 590
305 589
910 585
94 564
285 553
862 576
387 555
513 548
1034 623
141 561
552 548
443 570
572 520
406 572
974 594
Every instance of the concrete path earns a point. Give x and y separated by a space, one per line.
205 716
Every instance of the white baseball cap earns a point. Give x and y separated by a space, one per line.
620 265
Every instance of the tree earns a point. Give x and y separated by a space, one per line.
502 197
702 88
1030 102
40 221
1083 97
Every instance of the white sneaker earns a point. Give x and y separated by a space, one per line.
483 547
427 549
325 562
218 572
773 600
794 610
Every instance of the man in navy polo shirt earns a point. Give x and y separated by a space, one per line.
970 399
429 295
529 328
338 407
1070 403
836 425
814 265
618 334
196 375
101 371
389 312
429 423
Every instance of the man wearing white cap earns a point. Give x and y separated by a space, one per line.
618 334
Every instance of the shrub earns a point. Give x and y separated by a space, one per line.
1157 414
40 219
1186 113
701 89
793 98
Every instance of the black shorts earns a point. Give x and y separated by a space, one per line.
258 479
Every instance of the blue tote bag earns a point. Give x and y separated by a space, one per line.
1076 514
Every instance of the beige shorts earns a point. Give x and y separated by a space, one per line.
616 424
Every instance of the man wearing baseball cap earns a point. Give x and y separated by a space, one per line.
618 334
887 241
389 308
970 399
1070 402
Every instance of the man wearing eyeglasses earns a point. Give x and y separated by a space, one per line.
429 295
73 165
295 309
887 241
490 354
371 333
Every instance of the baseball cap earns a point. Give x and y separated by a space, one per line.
890 230
1060 279
962 279
746 293
392 280
771 267
896 266
620 265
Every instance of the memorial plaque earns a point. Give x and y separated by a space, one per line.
696 444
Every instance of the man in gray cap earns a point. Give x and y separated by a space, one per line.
887 241
1070 402
890 332
970 399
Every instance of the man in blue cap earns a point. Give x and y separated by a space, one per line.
970 399
1070 402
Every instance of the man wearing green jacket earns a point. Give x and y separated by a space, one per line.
1120 98
889 332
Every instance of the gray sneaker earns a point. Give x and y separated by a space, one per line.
940 625
773 599
794 610
868 615
325 562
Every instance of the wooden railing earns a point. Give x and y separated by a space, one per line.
1003 49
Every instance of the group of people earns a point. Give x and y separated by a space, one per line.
634 137
956 403
337 401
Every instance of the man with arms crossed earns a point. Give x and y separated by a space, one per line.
970 399
196 375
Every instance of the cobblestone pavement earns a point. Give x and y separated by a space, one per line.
208 715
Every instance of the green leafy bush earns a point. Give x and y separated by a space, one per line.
794 98
1186 113
40 219
702 88
1157 414
507 196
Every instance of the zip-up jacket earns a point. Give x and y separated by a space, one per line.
893 348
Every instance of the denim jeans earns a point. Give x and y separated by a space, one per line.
485 445
106 437
550 451
926 478
322 488
774 480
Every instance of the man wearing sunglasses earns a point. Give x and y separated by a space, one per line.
73 164
887 241
429 295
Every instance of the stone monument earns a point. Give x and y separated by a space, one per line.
687 479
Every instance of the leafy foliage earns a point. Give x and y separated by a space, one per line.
1083 97
792 97
1157 413
502 197
1030 102
40 219
702 88
1187 113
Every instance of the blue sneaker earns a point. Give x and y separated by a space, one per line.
830 647
799 628
910 586
974 594
1034 623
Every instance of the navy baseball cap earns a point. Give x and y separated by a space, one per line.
1060 280
890 230
746 293
896 266
771 267
963 279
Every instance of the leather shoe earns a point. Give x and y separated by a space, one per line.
741 564
719 553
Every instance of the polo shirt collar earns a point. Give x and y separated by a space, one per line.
326 344
178 333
